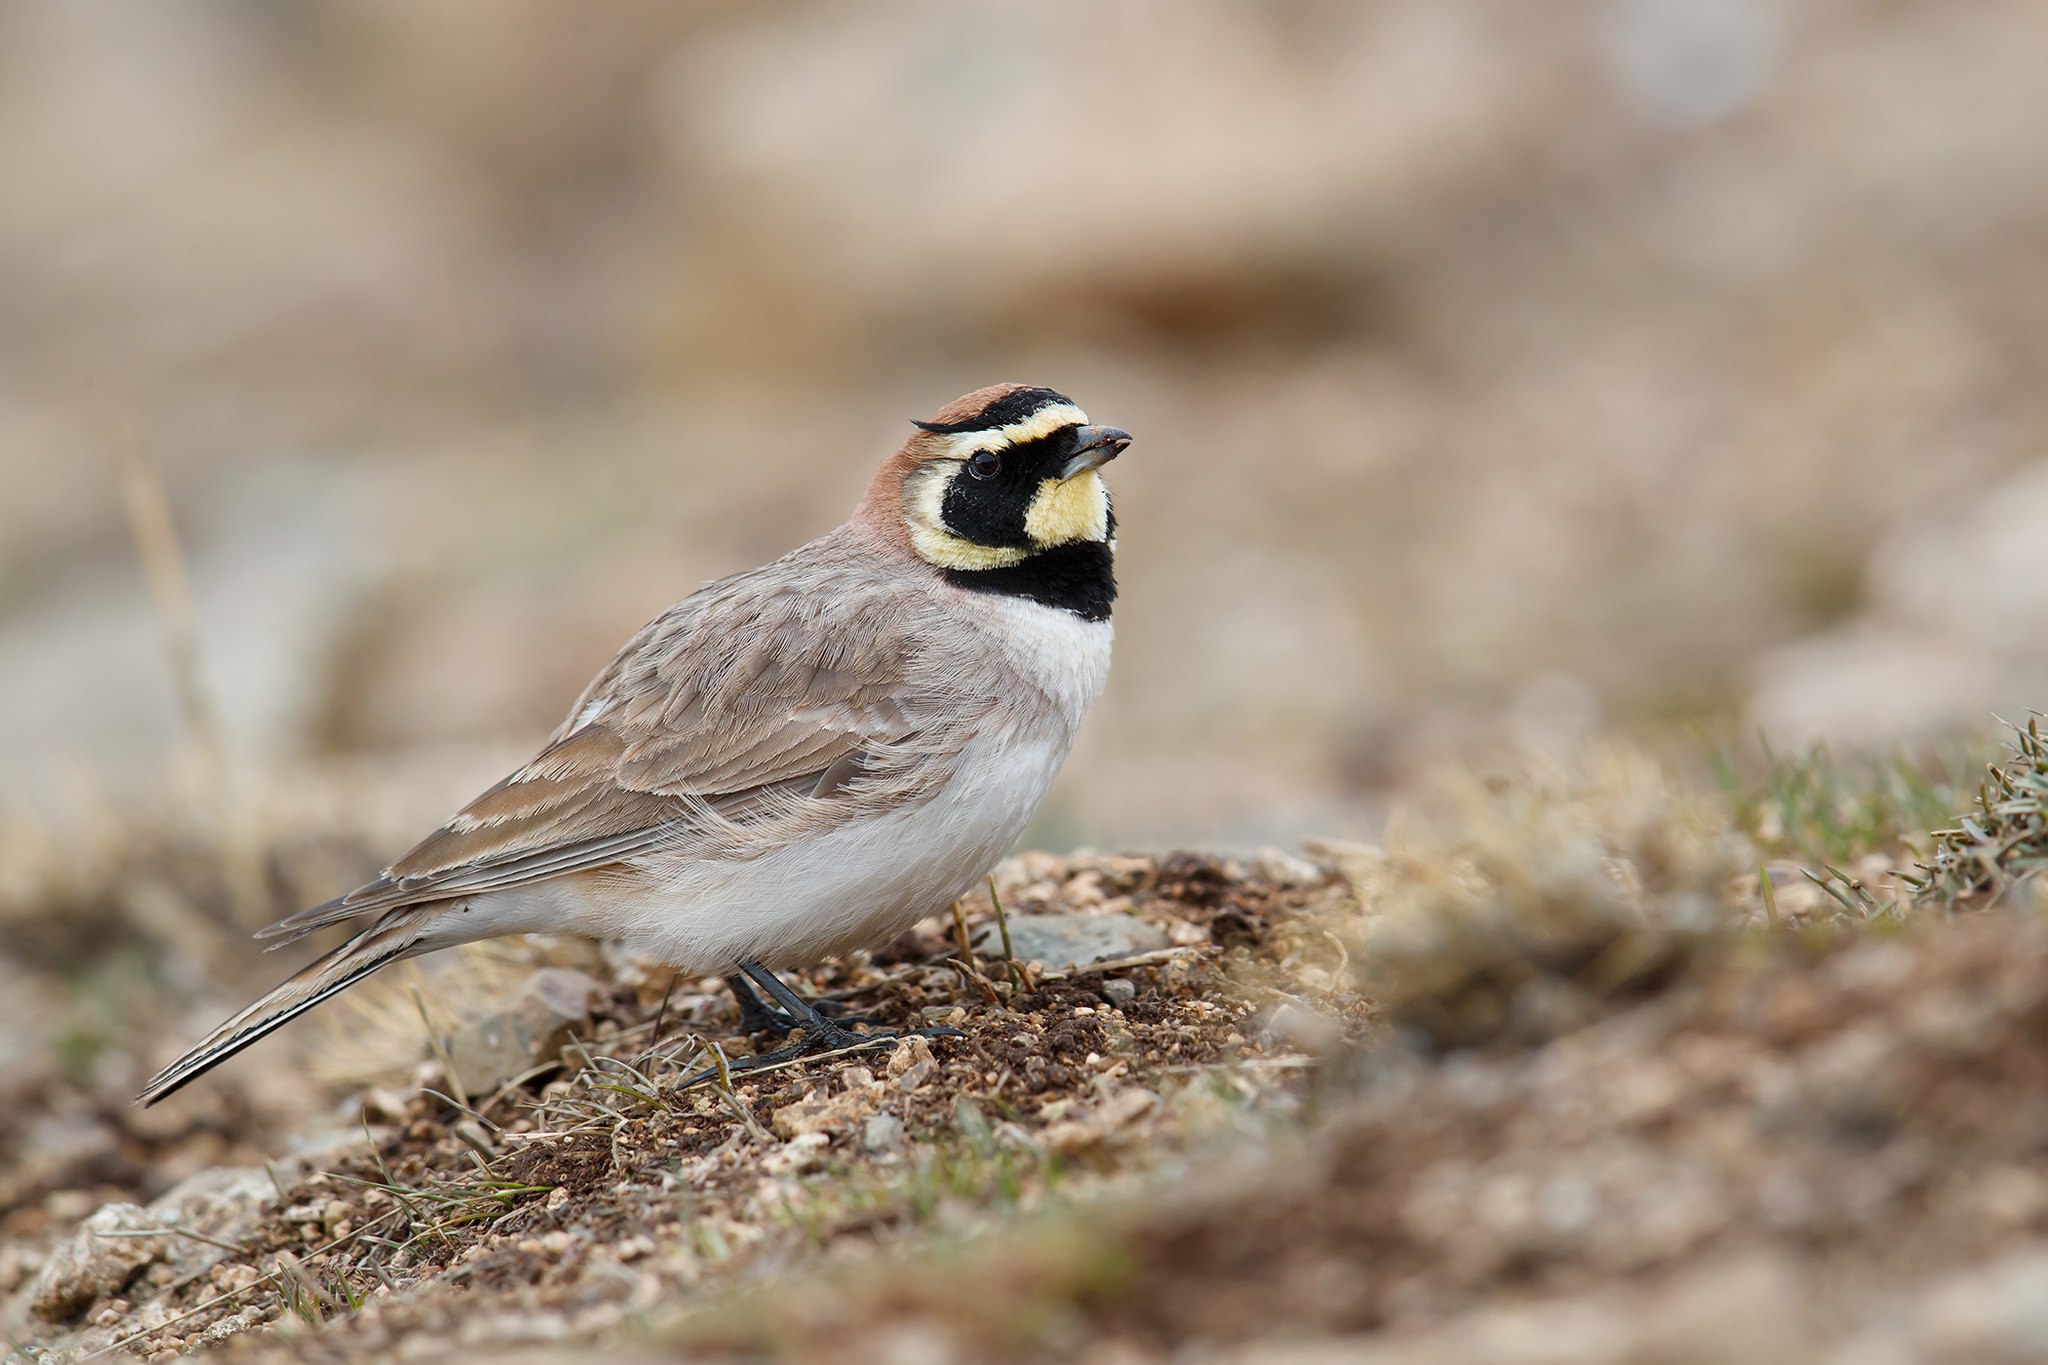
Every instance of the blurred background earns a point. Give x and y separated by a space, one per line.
1499 372
1504 376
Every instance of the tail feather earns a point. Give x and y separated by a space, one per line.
381 944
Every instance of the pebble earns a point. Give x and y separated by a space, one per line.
883 1133
90 1266
1282 868
1063 942
529 1029
1294 1025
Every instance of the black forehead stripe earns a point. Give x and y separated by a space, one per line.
1014 406
1055 444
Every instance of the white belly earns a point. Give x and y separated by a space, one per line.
861 885
855 888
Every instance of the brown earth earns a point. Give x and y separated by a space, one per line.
1820 1141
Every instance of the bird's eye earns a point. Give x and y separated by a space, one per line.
985 464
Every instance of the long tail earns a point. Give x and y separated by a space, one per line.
391 938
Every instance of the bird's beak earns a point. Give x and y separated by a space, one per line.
1099 445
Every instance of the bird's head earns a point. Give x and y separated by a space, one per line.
1002 475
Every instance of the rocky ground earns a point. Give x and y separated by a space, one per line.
1552 1074
546 1161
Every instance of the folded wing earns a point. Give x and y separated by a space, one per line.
730 725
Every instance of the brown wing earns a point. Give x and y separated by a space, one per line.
718 730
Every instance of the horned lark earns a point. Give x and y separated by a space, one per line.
796 761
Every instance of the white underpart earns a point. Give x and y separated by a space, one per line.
868 881
1067 657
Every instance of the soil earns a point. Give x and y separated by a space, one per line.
1798 1145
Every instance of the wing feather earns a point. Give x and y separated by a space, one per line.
723 724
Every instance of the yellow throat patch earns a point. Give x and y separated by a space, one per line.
1067 510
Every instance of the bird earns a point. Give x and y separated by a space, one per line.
794 762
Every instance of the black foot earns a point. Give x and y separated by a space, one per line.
755 1016
758 1016
793 1014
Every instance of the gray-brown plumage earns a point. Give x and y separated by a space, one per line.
795 761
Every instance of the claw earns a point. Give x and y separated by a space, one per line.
758 1016
831 1040
820 1026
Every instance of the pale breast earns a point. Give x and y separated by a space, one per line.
1064 658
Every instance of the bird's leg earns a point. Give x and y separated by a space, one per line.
802 1014
758 1016
755 1015
792 1013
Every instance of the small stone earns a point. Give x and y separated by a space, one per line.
232 1325
96 1261
883 1133
221 1204
799 1154
1293 1025
1083 891
1282 868
530 1029
1119 993
386 1106
1063 942
65 1206
1099 1123
823 1113
909 1053
235 1275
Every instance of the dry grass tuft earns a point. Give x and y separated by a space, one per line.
2003 842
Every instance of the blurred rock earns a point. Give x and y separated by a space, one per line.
828 1112
1282 868
1692 62
1875 684
531 1029
53 1151
1100 1122
1992 1313
1060 942
221 1203
95 1262
1747 1309
1296 1025
85 653
883 1133
1954 630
